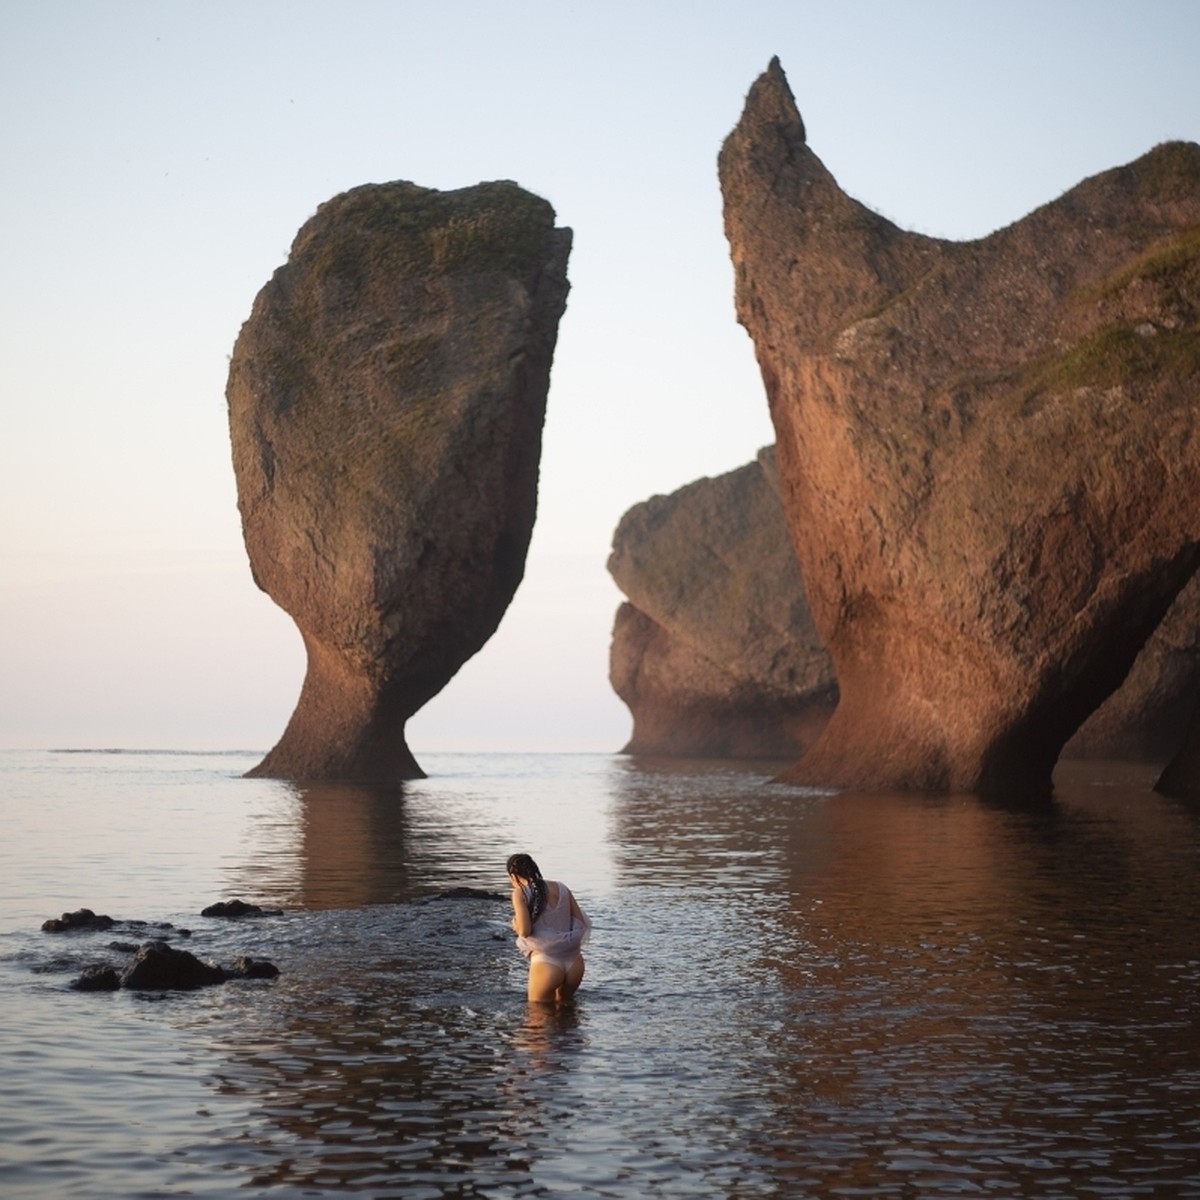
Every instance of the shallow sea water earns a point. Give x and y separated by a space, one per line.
788 993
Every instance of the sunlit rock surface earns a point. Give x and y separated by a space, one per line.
730 664
386 400
988 450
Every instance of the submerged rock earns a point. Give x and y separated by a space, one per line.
715 652
386 400
245 967
989 451
238 908
468 893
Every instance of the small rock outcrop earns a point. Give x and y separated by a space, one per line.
158 967
715 652
235 909
386 401
98 977
245 967
989 451
80 919
468 893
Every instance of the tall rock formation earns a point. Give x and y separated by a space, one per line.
989 450
386 401
719 657
715 653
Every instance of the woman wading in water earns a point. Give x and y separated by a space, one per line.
550 928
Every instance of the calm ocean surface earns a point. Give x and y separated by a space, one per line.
788 994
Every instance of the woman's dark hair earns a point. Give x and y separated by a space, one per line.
523 867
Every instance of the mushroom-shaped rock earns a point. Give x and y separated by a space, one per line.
386 402
989 451
715 653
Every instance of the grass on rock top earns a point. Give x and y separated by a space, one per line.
492 227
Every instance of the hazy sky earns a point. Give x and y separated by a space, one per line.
159 157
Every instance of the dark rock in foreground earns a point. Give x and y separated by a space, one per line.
156 965
386 401
990 451
159 967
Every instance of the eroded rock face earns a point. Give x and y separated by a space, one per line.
731 665
715 653
386 400
989 450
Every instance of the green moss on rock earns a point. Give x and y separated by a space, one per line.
1113 357
404 228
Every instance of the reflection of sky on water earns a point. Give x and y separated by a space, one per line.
787 992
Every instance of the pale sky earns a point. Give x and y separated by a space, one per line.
160 156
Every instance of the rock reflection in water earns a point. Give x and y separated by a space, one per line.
356 845
788 993
951 991
343 845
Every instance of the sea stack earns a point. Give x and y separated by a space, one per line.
715 652
989 451
386 402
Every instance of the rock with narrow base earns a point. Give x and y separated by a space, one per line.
715 652
990 451
386 401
